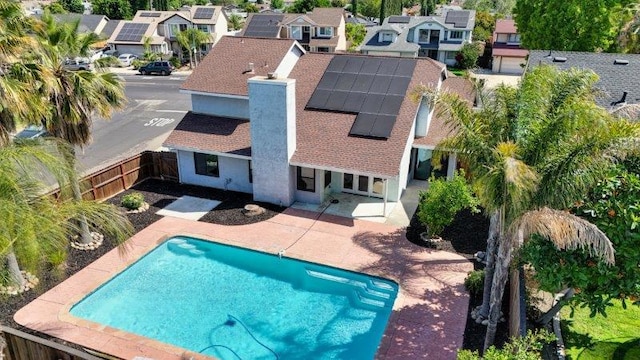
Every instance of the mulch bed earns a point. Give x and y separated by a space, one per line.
465 236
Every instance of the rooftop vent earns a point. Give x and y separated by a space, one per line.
559 59
620 62
272 75
250 69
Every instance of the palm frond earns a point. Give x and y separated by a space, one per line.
566 232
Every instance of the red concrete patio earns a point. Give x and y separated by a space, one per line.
428 318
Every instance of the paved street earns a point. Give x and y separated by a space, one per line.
155 107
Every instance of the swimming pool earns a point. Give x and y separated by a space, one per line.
235 303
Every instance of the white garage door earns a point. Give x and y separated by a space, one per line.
508 65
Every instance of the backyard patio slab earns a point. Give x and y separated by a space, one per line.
189 207
428 318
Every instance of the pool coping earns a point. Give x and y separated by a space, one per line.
428 317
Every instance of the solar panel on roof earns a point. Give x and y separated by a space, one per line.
150 14
264 25
132 32
204 13
383 126
398 20
459 19
372 87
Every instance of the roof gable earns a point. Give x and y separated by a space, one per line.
226 69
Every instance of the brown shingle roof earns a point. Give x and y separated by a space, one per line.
506 26
438 130
323 137
327 16
223 70
212 134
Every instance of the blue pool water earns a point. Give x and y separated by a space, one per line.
235 303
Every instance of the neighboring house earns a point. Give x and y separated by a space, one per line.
270 119
161 27
619 82
438 37
322 30
88 23
508 56
359 20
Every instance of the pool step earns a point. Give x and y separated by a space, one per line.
183 247
372 294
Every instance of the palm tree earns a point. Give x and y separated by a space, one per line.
14 38
531 150
235 22
191 39
74 97
34 225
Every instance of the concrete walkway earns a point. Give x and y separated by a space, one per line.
428 318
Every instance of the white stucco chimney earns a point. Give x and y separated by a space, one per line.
272 115
423 117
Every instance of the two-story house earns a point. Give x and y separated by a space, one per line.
322 30
271 119
508 56
618 85
162 27
438 37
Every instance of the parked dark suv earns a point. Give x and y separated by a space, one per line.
157 67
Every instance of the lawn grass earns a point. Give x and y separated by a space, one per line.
615 337
457 72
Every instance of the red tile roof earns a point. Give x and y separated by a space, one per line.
510 52
224 69
212 134
438 130
506 26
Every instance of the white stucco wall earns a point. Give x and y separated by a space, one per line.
221 27
342 37
273 138
288 62
234 172
220 106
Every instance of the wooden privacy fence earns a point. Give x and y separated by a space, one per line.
22 346
122 175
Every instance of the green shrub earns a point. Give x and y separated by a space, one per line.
468 55
132 201
526 348
475 281
444 199
175 62
109 61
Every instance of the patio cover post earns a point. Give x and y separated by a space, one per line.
384 207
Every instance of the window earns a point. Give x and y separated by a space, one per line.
325 31
514 38
203 28
456 35
347 183
378 186
387 36
323 49
327 178
250 173
306 179
176 28
206 164
363 183
296 32
423 36
451 55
